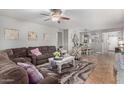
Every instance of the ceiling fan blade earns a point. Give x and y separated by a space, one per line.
44 14
47 19
65 18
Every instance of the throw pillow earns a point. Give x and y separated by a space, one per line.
21 60
36 52
24 65
33 73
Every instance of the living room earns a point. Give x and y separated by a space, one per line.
88 37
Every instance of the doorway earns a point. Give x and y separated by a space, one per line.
60 39
109 41
112 43
63 39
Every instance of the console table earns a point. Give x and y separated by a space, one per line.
86 51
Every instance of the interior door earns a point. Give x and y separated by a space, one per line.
60 39
104 42
112 43
63 39
65 45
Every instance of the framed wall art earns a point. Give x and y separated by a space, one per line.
11 34
32 36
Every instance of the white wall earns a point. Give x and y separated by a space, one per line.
24 27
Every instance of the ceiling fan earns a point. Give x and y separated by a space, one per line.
55 15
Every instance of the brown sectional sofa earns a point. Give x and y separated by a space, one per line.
24 54
11 73
18 54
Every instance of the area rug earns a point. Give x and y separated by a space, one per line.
70 74
78 74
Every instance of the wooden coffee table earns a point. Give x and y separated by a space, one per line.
65 60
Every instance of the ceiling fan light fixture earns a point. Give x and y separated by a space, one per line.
55 15
55 18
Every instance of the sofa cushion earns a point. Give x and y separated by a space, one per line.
51 49
49 80
39 62
50 55
20 52
44 49
47 52
22 59
40 57
33 73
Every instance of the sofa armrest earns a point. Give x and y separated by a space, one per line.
48 80
33 58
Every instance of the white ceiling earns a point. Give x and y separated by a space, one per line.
91 19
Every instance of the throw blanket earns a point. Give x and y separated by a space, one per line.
79 74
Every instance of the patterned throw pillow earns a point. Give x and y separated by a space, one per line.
33 73
36 52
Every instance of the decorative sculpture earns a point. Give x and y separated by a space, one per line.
75 40
76 50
